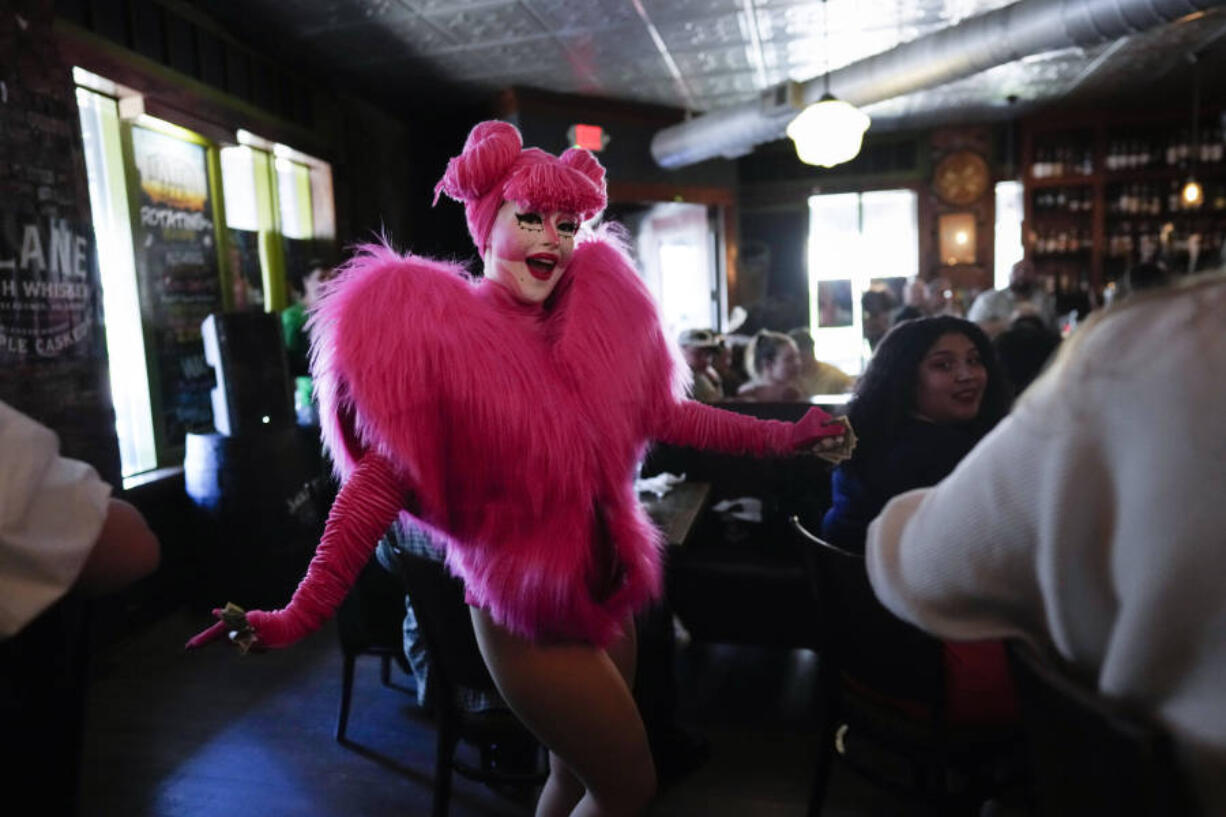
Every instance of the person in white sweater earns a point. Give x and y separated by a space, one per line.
60 527
1092 521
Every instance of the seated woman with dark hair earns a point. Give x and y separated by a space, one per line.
932 390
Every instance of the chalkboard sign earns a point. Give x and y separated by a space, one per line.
176 261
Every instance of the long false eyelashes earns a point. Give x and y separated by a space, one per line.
535 223
530 221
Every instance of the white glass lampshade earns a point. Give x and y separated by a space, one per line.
828 132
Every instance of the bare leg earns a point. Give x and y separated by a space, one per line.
576 699
563 790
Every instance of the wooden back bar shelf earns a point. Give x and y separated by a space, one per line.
1103 192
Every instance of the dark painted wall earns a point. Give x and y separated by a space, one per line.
384 172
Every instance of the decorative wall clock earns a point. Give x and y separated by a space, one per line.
961 178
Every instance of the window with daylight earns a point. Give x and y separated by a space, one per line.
857 242
108 200
1009 216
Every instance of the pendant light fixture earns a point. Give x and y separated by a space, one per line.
830 131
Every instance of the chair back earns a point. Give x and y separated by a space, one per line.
467 703
1092 755
445 624
865 640
370 619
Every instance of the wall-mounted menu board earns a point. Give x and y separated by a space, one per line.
176 260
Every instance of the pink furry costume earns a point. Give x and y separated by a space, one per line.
510 429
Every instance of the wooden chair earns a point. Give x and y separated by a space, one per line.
458 671
1092 755
369 622
881 700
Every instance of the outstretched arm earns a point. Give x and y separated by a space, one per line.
697 425
367 504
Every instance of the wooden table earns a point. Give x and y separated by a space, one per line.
676 512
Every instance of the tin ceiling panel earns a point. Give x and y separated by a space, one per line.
672 11
489 24
705 32
372 44
447 6
694 54
568 16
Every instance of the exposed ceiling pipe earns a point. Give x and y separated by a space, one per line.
973 45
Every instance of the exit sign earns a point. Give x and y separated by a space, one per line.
591 137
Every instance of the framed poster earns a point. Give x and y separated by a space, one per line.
175 246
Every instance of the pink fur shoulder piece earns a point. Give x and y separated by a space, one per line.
518 433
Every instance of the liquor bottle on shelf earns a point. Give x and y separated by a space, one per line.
1217 199
1217 146
1086 167
1039 169
1065 158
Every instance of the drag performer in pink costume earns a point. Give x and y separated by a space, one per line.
507 414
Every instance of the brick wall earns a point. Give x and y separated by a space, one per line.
52 344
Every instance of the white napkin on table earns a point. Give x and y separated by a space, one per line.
659 485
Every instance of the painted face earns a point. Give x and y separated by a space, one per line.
786 364
529 251
952 380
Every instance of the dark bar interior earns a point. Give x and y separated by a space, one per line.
945 281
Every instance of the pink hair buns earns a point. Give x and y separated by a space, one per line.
494 167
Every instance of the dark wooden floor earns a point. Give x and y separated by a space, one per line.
171 734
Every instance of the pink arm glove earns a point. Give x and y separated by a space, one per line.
367 504
697 425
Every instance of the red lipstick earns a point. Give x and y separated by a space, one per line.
541 265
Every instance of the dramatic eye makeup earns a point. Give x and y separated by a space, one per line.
567 226
531 221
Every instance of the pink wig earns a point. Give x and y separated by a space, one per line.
494 167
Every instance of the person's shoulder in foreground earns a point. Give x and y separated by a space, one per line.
1091 520
1142 379
59 526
